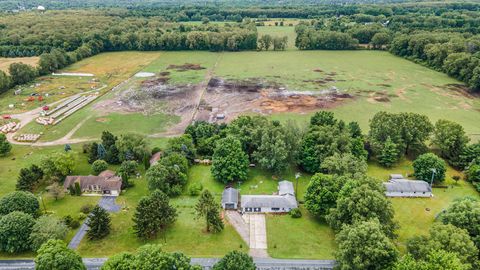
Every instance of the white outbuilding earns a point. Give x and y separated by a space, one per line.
398 186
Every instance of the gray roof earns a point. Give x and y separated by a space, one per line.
396 176
230 195
404 185
269 201
286 187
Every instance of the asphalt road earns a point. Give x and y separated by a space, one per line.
206 263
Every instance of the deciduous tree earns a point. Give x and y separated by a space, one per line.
229 163
46 228
19 201
235 260
54 254
207 208
15 229
425 164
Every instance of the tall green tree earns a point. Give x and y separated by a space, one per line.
424 164
207 208
15 229
46 228
54 255
229 162
19 201
29 177
389 154
272 154
464 214
99 223
364 246
357 201
344 164
22 73
450 138
322 193
153 215
5 81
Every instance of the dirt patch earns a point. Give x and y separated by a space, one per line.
101 120
164 73
318 70
224 99
384 85
156 81
383 97
185 67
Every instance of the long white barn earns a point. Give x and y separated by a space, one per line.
397 186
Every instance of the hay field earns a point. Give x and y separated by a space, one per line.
6 62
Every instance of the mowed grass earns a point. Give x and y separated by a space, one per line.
23 156
187 235
416 215
6 62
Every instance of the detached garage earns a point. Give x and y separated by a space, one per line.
230 198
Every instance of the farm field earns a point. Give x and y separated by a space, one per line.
363 82
6 62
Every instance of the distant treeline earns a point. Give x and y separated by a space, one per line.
29 34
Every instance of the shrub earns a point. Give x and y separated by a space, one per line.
46 228
74 224
86 208
296 213
195 189
81 216
99 166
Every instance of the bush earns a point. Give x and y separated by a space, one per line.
195 189
86 208
99 166
74 224
81 216
296 213
46 228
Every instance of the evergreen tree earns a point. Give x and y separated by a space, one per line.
112 155
153 215
5 146
207 207
29 177
93 153
99 223
101 152
389 154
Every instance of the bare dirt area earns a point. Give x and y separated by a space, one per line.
219 100
186 67
224 100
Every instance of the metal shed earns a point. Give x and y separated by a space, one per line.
407 188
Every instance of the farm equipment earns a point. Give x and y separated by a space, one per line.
45 108
6 116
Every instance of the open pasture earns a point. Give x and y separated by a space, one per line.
6 62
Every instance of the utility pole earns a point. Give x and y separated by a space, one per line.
297 175
433 175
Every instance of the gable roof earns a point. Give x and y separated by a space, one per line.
285 187
105 183
404 185
230 195
269 201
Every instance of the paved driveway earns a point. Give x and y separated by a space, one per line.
107 203
258 231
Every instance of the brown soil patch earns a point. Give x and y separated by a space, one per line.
185 67
383 97
155 81
101 120
164 73
318 70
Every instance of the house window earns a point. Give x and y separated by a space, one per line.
256 209
275 209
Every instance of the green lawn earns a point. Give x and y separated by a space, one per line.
187 235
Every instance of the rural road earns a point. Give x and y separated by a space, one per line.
206 263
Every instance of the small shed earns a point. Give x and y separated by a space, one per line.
230 199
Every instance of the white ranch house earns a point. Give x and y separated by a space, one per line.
282 202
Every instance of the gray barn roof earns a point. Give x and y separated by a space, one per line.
286 187
403 185
396 176
269 201
230 195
